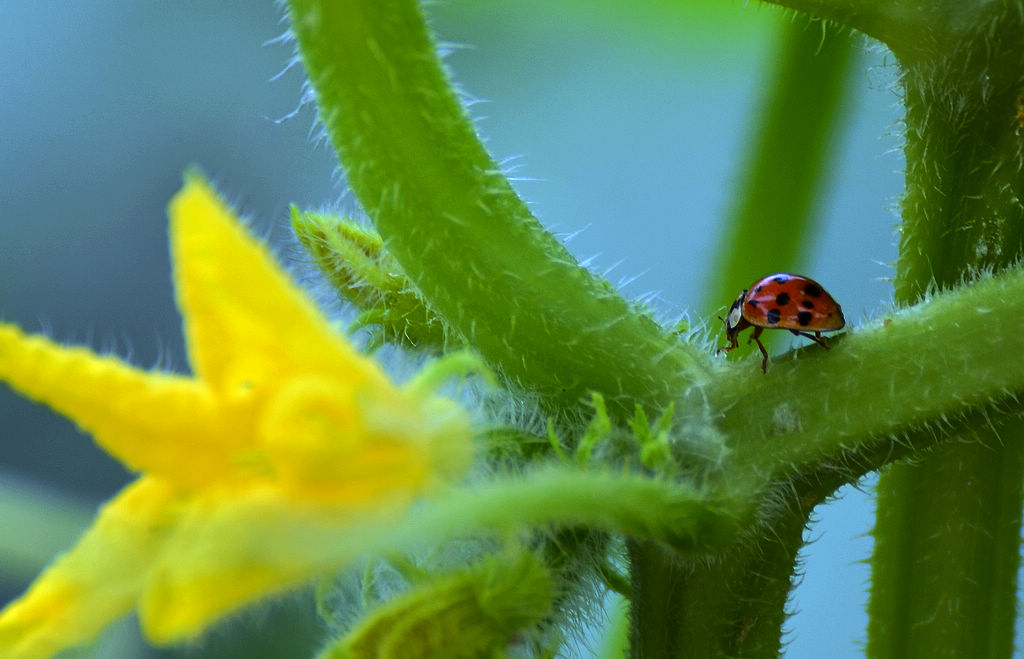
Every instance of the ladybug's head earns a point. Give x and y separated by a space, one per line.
734 320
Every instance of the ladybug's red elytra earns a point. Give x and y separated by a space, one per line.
782 301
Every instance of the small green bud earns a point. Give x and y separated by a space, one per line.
354 260
469 613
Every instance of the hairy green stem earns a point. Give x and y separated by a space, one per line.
948 529
946 557
735 605
453 222
669 514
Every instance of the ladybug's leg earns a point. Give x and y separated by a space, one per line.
725 348
816 337
756 336
730 336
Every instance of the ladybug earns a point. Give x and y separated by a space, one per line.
782 301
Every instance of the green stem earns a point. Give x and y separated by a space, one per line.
962 211
731 606
453 222
947 534
736 604
660 586
946 556
670 514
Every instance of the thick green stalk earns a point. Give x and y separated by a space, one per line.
947 541
460 233
735 605
948 529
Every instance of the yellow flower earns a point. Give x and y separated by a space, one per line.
283 427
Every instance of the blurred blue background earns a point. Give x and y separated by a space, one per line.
625 128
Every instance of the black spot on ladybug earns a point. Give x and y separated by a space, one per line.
758 289
807 304
752 303
781 279
773 316
782 299
812 290
804 318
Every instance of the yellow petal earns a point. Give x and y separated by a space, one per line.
227 553
96 582
151 422
246 323
326 446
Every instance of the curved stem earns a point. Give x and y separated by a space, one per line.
453 222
